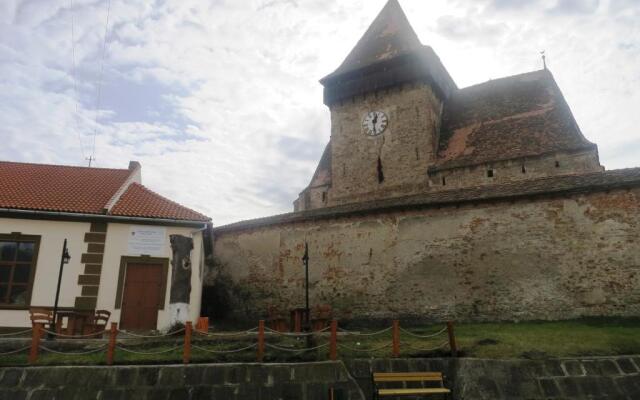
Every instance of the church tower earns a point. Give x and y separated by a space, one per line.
386 101
400 125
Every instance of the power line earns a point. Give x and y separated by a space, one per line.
99 81
73 77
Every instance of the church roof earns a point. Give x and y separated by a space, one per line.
389 35
513 117
389 54
559 185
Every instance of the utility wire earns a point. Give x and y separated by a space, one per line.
99 83
73 77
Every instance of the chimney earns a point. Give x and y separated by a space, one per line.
133 165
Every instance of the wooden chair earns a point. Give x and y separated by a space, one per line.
202 325
99 321
41 315
275 319
401 378
322 316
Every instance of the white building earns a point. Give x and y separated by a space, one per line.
119 236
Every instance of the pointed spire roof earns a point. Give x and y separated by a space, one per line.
389 35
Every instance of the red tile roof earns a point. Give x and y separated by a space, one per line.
57 187
84 190
138 201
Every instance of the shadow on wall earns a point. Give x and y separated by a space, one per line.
222 298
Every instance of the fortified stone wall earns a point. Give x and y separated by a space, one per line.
516 170
544 258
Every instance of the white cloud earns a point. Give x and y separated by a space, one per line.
220 100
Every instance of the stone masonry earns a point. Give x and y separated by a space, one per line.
550 257
309 381
604 378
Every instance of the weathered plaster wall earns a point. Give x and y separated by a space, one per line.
527 259
52 235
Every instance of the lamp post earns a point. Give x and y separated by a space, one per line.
305 260
64 259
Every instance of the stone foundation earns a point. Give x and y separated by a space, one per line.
474 379
470 379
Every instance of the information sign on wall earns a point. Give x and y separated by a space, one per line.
148 240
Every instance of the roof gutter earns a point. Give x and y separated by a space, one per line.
58 215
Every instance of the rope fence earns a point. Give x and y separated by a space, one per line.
119 340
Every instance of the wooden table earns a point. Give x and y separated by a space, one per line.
79 322
298 317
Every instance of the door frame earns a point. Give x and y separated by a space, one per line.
125 260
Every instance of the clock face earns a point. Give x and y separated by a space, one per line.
374 123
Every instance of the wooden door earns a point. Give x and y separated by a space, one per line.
141 296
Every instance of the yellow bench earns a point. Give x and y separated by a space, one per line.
401 377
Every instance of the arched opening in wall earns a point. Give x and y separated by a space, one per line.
524 170
380 172
557 164
324 197
489 173
444 181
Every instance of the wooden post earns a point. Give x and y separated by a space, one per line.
452 339
112 342
202 325
36 334
333 343
297 326
260 340
396 338
186 354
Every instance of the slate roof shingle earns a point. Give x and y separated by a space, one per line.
518 116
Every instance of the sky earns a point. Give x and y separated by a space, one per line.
219 100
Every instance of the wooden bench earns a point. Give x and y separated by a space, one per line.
402 377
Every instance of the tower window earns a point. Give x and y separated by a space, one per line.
524 170
324 197
490 173
444 181
557 164
380 172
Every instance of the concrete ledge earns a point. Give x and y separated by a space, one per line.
309 381
470 379
477 379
